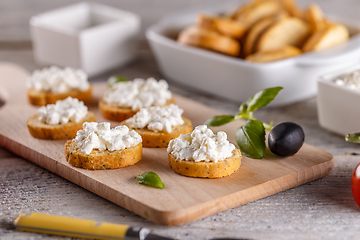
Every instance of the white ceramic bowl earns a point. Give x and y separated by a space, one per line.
237 79
89 36
338 106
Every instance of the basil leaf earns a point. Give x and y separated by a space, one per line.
219 120
352 153
151 179
251 139
353 137
262 98
115 79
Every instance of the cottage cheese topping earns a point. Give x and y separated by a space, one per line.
64 111
352 80
138 93
99 136
157 119
58 80
201 145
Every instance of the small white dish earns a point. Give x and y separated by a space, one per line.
235 78
89 36
338 106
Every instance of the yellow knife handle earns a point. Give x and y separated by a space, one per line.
66 226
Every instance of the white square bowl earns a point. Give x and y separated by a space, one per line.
237 79
338 106
88 36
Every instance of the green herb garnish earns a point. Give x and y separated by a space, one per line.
353 137
115 79
251 139
151 179
352 153
251 136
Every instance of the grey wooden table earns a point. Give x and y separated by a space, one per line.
322 209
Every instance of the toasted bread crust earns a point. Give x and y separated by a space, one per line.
206 169
255 10
292 8
40 98
315 17
42 130
161 139
328 37
106 159
254 34
288 31
223 25
270 56
263 26
209 39
120 113
257 30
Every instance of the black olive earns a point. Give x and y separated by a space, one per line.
286 139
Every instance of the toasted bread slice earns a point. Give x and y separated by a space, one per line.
254 33
161 139
292 8
119 114
257 10
102 159
274 55
257 29
288 31
206 169
42 130
330 36
209 39
223 25
240 10
40 98
315 17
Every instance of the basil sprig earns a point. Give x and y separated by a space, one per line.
150 179
353 137
251 136
115 79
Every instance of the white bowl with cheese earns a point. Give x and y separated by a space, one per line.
237 79
338 104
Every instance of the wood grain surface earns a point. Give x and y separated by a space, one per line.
184 199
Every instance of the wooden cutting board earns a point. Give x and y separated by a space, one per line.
183 199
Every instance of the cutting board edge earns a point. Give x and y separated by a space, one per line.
193 213
186 215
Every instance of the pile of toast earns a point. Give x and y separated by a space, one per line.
265 31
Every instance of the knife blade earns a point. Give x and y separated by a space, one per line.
74 227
